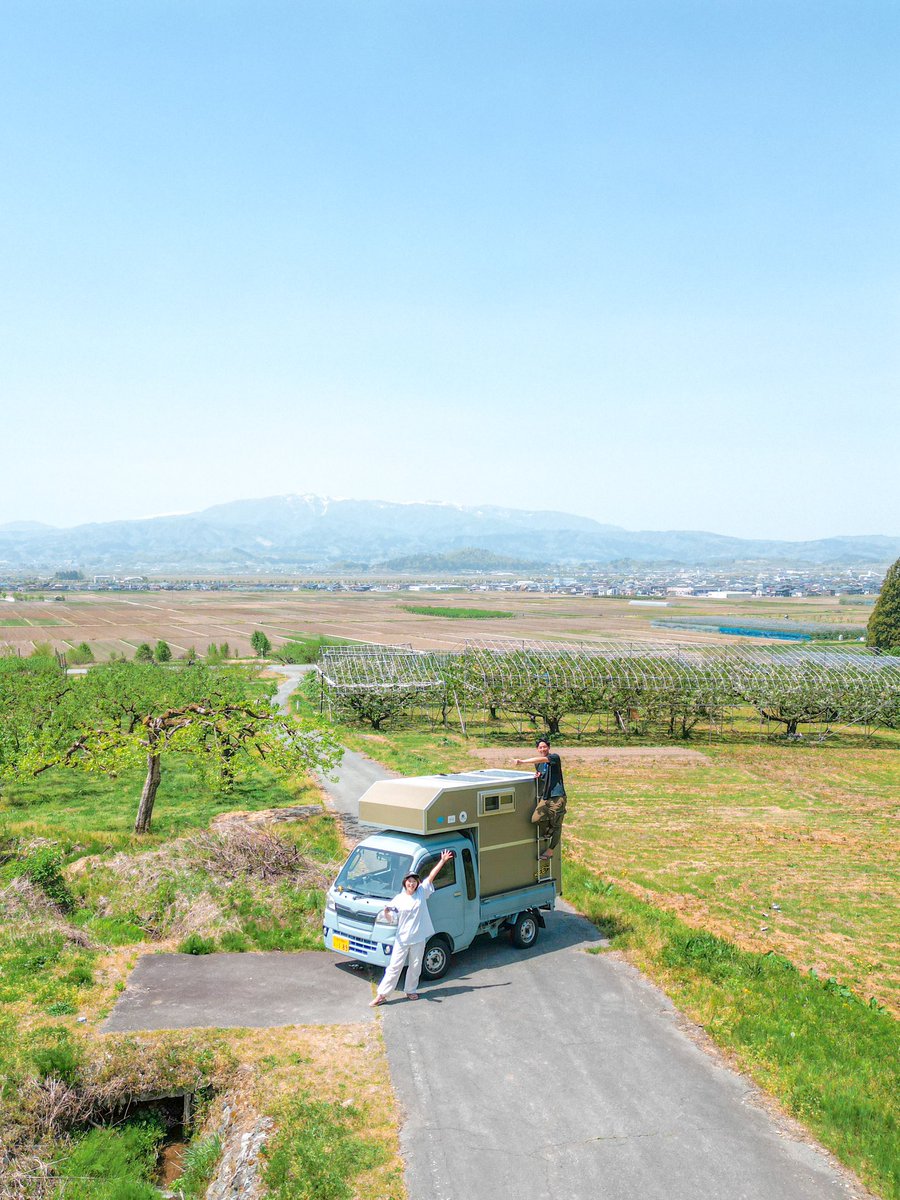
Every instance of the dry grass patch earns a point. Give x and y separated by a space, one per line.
775 848
28 909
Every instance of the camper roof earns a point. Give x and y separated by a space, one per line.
429 803
458 779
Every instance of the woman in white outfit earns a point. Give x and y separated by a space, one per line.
414 928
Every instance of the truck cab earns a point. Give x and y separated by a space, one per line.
495 881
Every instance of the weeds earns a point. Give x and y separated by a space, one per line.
237 881
199 1163
316 1152
111 1163
194 944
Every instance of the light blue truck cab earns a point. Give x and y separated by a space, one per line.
495 881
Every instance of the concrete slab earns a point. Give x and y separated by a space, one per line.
181 991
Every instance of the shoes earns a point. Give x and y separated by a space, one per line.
412 995
377 1001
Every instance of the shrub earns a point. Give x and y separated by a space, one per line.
195 944
81 654
260 643
43 867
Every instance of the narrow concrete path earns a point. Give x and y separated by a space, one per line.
556 1074
291 674
355 773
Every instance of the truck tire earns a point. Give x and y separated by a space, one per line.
436 961
525 930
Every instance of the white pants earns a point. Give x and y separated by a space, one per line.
412 956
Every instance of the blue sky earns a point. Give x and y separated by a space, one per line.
635 260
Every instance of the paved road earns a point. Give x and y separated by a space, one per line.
556 1074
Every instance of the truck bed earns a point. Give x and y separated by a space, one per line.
505 904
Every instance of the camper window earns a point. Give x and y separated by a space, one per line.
496 802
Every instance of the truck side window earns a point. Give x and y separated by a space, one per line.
445 876
469 867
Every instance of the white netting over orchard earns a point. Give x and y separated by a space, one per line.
371 666
633 686
374 683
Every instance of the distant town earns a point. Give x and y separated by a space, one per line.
652 581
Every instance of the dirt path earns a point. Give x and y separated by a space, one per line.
502 757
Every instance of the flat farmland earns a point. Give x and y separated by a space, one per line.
119 622
777 848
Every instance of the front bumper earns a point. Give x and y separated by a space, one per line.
355 943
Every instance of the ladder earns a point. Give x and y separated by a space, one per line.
544 866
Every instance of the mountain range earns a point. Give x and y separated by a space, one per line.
307 532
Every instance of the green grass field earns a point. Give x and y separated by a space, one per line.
475 614
809 830
18 622
87 813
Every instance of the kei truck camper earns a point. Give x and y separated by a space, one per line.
496 879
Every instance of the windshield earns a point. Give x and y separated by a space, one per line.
374 872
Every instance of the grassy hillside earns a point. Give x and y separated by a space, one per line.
80 899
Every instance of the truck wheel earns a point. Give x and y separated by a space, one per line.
525 930
436 961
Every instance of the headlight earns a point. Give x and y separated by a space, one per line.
330 905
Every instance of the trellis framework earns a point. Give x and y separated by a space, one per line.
634 684
370 666
376 683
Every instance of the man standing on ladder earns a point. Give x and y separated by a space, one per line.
550 810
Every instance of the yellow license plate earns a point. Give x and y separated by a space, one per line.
341 943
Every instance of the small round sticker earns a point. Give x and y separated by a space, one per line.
464 816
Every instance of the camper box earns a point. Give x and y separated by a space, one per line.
494 809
